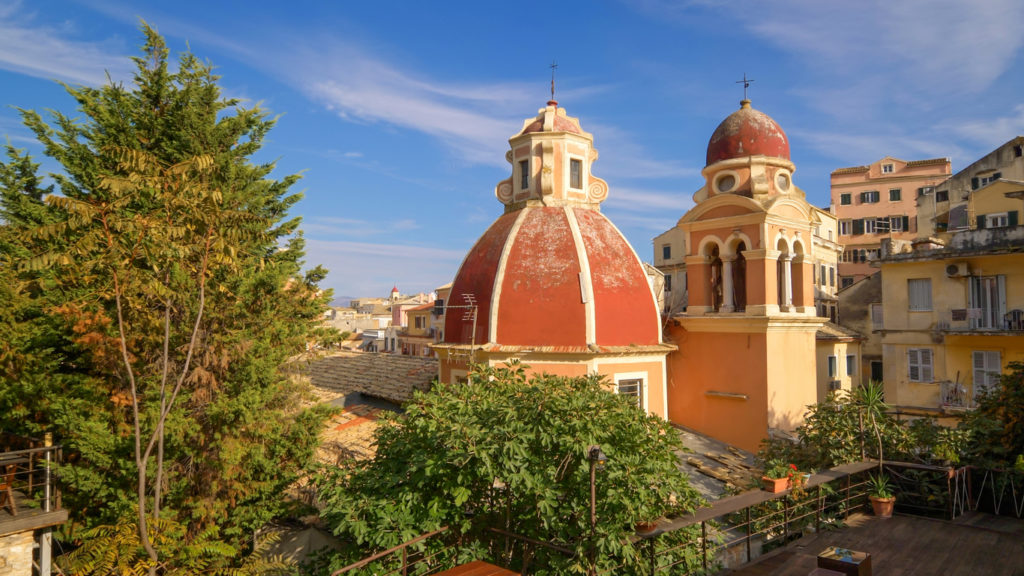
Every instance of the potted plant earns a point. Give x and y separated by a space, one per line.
777 475
880 493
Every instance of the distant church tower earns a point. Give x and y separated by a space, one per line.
745 365
552 282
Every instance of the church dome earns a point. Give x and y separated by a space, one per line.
557 278
747 132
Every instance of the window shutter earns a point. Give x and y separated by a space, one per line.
1001 294
906 224
981 221
858 226
996 176
1012 217
913 371
978 371
926 365
974 183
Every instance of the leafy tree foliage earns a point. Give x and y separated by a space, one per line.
511 453
152 303
849 427
997 424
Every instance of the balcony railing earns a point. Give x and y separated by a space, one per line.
954 395
28 490
735 530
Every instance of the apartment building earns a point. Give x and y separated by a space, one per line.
876 202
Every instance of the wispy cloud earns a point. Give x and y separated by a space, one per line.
990 132
351 227
42 51
860 148
636 200
368 269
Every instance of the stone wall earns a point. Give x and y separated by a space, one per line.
16 554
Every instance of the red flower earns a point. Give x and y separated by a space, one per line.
793 466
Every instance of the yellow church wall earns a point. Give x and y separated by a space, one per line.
717 384
792 384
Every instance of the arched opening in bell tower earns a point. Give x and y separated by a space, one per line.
739 277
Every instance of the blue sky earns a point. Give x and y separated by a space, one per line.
399 113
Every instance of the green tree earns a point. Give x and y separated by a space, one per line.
996 426
164 279
512 453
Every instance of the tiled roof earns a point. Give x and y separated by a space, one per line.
927 162
830 331
392 377
851 170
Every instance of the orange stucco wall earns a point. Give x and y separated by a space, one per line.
719 362
769 368
608 366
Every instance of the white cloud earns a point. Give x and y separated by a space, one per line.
46 52
636 200
991 132
330 226
920 45
855 149
367 269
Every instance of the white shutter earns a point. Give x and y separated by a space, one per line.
914 371
1001 295
926 365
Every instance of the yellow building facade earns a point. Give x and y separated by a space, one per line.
952 317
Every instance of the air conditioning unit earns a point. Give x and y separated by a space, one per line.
834 385
957 270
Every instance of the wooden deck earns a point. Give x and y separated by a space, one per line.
29 517
908 545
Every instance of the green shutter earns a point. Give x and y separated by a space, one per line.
974 183
1012 216
906 224
981 221
858 226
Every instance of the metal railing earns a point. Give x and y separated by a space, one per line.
736 529
954 395
27 479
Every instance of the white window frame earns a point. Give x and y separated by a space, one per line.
870 225
625 377
921 299
579 161
851 364
987 368
877 316
920 365
833 366
888 168
987 294
896 224
845 227
1000 220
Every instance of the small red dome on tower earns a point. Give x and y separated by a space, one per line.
747 132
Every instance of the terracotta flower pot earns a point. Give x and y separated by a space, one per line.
774 484
882 507
646 527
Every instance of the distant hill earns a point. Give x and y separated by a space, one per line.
342 301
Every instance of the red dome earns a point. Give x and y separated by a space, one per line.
747 132
525 276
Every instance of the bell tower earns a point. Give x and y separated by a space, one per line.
746 361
